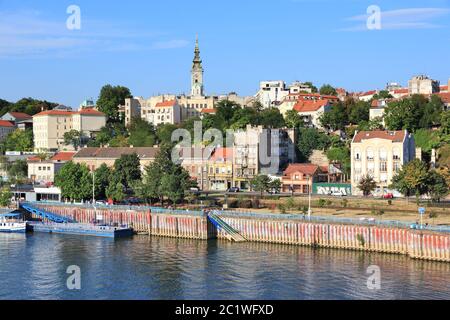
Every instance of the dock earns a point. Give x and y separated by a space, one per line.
81 229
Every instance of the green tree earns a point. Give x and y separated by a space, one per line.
73 138
19 140
17 171
310 139
437 186
102 180
367 185
293 119
109 100
336 118
260 183
127 169
142 133
5 197
412 179
271 118
75 181
359 112
275 185
115 191
327 90
383 94
164 133
406 114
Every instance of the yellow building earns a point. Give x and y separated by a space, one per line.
380 154
50 126
220 169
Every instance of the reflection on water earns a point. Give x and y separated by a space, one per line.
34 267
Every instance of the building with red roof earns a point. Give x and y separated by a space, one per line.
5 128
311 111
220 169
43 170
299 177
380 154
50 126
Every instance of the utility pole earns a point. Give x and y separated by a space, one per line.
309 200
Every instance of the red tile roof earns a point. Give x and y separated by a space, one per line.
169 103
394 136
208 111
4 123
305 168
88 111
445 96
20 115
63 156
222 153
444 88
309 105
401 91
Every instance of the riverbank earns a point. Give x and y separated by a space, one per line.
271 228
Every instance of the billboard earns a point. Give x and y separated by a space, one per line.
332 189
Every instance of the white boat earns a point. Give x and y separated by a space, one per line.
10 223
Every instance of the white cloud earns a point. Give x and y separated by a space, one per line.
409 18
29 34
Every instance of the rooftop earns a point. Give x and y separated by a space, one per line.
305 168
4 123
115 153
310 105
394 136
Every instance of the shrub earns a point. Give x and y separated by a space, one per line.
290 203
246 204
344 203
282 208
321 203
390 202
361 240
433 214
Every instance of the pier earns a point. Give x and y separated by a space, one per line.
270 228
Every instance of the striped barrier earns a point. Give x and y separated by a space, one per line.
414 243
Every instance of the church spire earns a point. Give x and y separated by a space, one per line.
197 72
197 60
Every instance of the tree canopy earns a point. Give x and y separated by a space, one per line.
109 100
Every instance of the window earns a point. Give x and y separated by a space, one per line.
383 166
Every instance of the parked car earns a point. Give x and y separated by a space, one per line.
388 196
101 203
336 194
233 190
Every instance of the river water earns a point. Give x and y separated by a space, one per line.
34 266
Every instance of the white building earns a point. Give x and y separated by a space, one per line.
380 154
271 93
423 85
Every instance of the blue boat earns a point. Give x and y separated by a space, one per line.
81 229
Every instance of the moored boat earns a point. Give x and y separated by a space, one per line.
10 223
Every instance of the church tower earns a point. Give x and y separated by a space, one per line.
197 73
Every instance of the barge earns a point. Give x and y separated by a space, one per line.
81 229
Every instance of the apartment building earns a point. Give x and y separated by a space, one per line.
50 126
422 84
220 169
261 151
380 154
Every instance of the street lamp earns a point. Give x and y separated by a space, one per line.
309 198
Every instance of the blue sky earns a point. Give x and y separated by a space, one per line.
148 45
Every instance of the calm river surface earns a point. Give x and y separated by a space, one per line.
33 266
